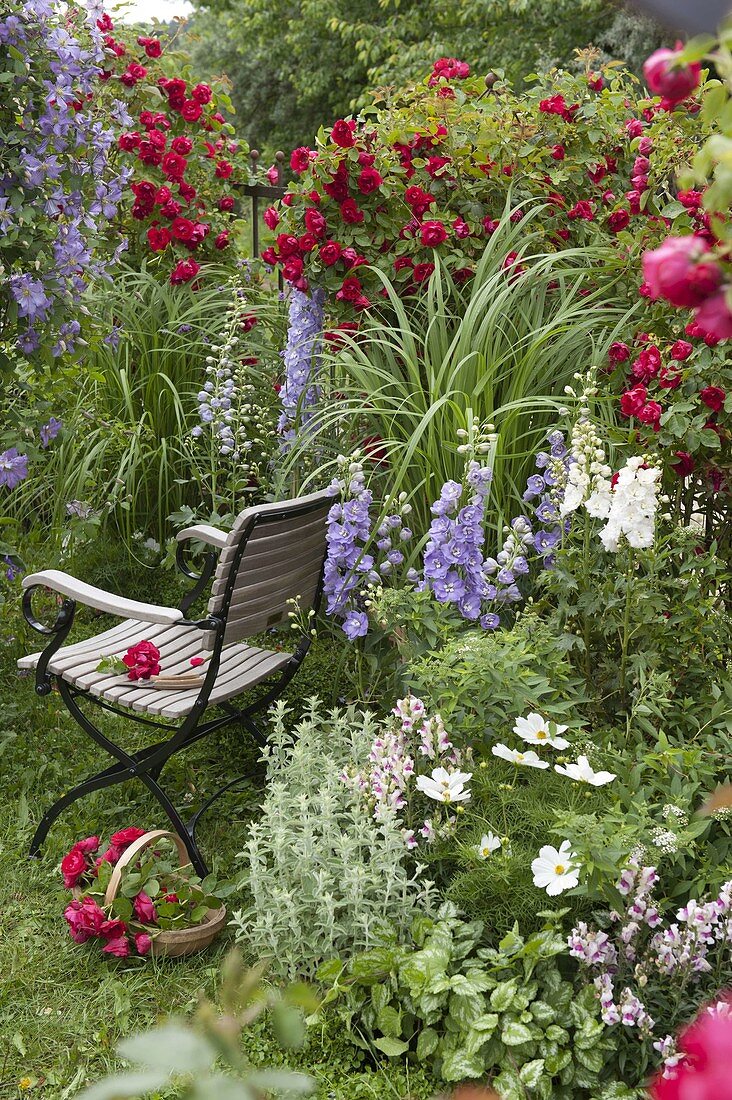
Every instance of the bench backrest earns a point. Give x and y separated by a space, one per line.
282 557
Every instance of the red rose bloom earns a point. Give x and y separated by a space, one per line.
582 210
330 253
350 289
684 464
287 245
222 240
152 46
315 223
369 180
143 661
351 213
713 397
226 204
129 142
171 209
182 230
558 152
191 111
300 159
461 229
342 133
122 839
224 169
201 93
618 220
174 166
158 238
73 866
681 350
422 272
270 217
181 144
143 943
633 400
292 268
184 271
667 78
647 365
269 256
618 352
433 234
669 378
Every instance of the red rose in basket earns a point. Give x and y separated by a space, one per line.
143 661
168 911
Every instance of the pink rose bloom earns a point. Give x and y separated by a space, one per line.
143 943
112 929
704 1074
144 908
675 271
119 947
89 845
85 919
714 318
665 77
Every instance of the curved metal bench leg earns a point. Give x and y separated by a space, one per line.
183 831
192 824
93 783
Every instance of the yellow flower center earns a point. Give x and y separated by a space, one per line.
559 869
519 756
541 735
485 851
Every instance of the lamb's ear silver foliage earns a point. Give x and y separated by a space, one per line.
321 876
702 15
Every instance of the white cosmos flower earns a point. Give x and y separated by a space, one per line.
488 844
528 759
536 730
445 786
555 871
583 773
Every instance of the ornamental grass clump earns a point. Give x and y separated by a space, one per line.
322 876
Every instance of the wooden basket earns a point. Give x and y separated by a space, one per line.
183 941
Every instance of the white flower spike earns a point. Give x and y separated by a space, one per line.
581 772
555 870
527 759
536 730
488 844
445 786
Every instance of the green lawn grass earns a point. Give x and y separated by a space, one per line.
63 1007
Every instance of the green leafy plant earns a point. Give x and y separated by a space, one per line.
204 1059
473 1011
321 874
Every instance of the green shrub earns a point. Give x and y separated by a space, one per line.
469 1011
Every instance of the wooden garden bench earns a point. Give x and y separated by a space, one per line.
273 554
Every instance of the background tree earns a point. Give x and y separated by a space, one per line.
298 64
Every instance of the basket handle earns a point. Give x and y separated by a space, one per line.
134 850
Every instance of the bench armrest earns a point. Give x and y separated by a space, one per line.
204 533
97 598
